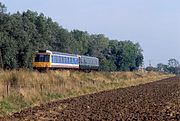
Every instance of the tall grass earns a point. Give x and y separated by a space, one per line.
22 88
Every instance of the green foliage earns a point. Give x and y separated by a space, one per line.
21 34
81 41
12 103
128 56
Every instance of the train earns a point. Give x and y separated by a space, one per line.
46 59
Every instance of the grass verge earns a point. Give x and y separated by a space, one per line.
24 88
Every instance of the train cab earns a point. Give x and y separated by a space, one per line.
42 59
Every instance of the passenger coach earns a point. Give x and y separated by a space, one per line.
53 60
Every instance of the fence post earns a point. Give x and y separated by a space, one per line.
41 87
7 88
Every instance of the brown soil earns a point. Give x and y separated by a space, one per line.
154 101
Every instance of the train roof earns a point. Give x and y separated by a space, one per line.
60 53
54 52
89 57
68 54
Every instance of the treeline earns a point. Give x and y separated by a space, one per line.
173 66
21 34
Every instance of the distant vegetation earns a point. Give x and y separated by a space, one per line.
173 66
21 34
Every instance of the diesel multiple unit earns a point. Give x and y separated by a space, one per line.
57 60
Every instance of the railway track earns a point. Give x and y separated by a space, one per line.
155 101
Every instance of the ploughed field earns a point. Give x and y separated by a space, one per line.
153 101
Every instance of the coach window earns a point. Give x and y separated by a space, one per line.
82 61
68 59
52 59
55 59
60 59
63 60
71 61
74 60
95 62
77 61
85 61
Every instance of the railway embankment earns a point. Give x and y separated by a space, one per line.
22 88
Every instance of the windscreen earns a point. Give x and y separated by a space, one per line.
41 58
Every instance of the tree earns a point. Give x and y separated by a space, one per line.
1 59
3 8
9 51
173 63
81 41
162 67
129 56
2 18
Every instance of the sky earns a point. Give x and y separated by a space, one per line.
154 24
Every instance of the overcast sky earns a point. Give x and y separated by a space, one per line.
155 24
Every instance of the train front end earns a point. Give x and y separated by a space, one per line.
42 60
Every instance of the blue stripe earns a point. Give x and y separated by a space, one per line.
65 60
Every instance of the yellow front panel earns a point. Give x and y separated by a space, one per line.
41 64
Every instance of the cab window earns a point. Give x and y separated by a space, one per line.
42 58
